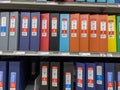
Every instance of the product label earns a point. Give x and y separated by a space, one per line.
110 80
103 29
99 74
54 76
90 77
24 25
80 77
1 80
111 29
68 81
54 27
44 75
64 27
74 28
3 26
13 80
84 28
93 29
12 25
44 27
34 26
118 81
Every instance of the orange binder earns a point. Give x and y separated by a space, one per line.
94 33
103 33
84 32
74 32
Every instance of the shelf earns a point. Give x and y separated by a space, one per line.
61 7
60 54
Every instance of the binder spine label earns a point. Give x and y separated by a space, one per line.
79 78
44 27
110 80
103 29
84 28
93 29
64 27
68 81
54 76
44 75
99 74
1 80
13 80
24 26
118 80
74 28
3 26
111 29
90 77
34 26
54 27
12 25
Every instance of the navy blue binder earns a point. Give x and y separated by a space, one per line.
100 85
3 75
80 76
15 76
109 76
90 76
35 31
24 31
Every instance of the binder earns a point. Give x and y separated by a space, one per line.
90 76
117 75
14 31
68 76
100 82
44 32
55 76
112 33
110 1
117 1
3 75
25 31
91 1
16 76
54 32
84 32
44 75
101 1
80 76
64 32
94 33
80 0
118 33
4 20
109 76
103 33
74 32
35 31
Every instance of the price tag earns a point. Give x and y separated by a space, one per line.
109 54
19 53
84 54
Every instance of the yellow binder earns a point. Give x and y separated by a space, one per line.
112 33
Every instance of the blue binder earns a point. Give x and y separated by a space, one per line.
90 76
117 1
109 76
64 32
90 0
15 76
25 31
3 75
80 76
100 76
110 1
35 31
101 1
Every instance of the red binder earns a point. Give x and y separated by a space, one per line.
44 32
94 33
84 32
103 33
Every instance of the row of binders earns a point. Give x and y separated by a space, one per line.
37 31
79 76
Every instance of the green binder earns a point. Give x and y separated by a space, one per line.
118 33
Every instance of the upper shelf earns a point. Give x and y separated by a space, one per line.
62 7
